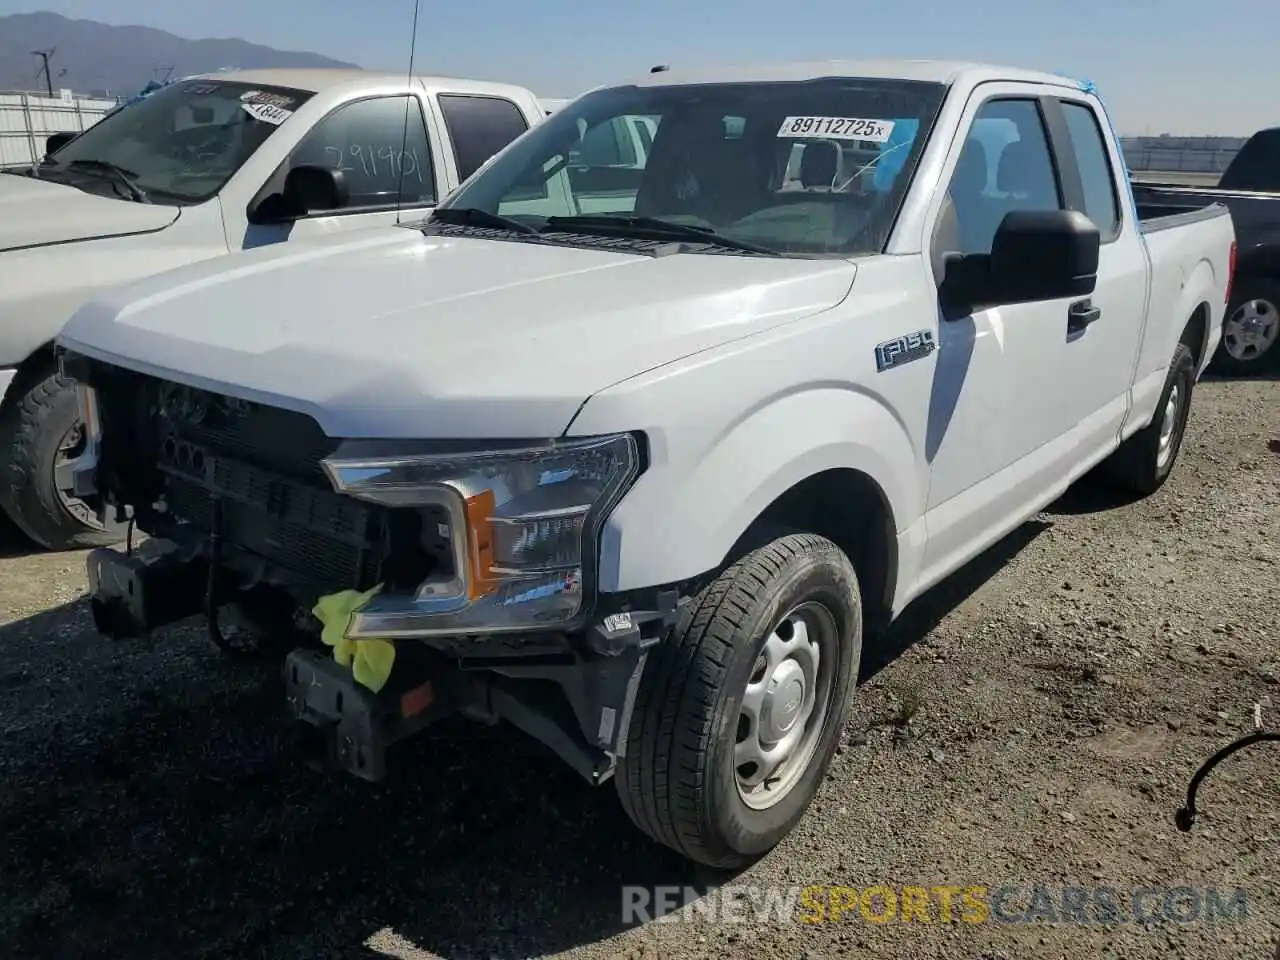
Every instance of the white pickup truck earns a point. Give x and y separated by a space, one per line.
205 167
640 459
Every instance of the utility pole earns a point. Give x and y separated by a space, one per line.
44 56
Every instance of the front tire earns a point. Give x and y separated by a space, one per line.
1144 461
739 712
38 439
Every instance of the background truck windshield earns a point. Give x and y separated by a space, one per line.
183 142
793 167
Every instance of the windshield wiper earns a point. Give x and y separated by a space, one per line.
121 175
654 228
475 217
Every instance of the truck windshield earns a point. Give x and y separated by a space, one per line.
784 167
181 143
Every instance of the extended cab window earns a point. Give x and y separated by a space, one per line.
479 128
777 166
1101 205
1004 165
380 145
179 145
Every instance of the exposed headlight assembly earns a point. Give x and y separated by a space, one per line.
523 523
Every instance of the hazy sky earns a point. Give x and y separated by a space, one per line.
1184 66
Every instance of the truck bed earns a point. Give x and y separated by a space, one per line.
1162 211
1256 216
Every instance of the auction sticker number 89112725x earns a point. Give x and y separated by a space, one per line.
837 128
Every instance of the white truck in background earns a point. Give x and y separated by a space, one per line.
639 458
201 168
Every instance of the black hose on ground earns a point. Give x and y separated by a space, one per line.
1186 817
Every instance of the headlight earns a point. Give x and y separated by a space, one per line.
522 524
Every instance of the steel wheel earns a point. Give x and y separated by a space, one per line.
785 705
1171 424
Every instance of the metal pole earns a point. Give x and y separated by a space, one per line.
44 56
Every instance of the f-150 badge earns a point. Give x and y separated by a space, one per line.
904 349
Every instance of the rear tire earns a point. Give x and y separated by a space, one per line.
37 435
1144 461
739 679
1250 331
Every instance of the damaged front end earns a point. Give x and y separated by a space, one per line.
484 562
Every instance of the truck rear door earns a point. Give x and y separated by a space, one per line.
479 126
1100 356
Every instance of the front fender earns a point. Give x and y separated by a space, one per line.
705 486
41 287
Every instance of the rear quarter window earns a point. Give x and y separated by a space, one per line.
479 127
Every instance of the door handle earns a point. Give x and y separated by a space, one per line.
1080 314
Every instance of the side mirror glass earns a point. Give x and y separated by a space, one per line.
57 141
307 189
1036 255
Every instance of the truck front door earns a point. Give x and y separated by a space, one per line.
382 148
1003 412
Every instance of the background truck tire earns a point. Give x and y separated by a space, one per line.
680 781
38 430
1145 460
1250 330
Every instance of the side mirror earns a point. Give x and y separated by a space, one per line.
307 189
57 141
1036 255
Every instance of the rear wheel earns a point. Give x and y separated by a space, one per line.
1144 461
739 713
40 438
1251 330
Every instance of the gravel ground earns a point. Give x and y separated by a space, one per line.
1032 721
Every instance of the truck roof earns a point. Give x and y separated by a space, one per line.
323 79
937 71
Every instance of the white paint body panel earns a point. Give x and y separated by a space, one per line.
747 375
382 334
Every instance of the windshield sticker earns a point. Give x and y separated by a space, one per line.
267 113
837 128
283 101
200 89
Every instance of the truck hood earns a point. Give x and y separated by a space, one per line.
389 333
34 213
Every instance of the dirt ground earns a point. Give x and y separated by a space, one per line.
1060 692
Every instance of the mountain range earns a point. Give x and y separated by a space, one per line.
96 58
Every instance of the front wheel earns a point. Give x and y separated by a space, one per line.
40 437
738 714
